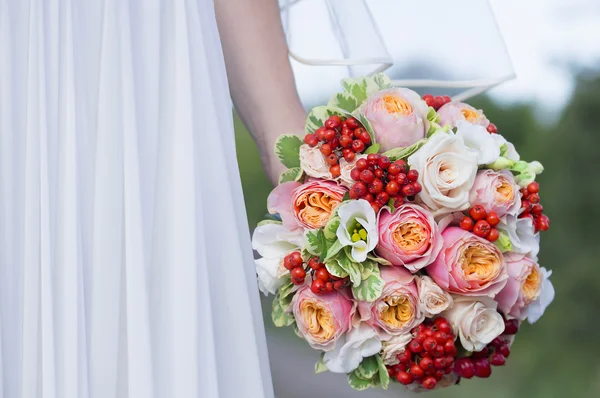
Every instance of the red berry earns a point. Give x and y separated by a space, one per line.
416 371
543 223
447 99
346 141
287 263
333 122
497 359
347 131
525 204
392 188
504 350
440 363
450 348
331 159
427 97
329 287
441 337
534 198
443 325
358 132
429 383
413 175
492 129
373 159
464 368
415 346
401 178
482 368
352 123
350 156
375 187
355 174
394 169
439 374
320 133
384 162
481 354
322 274
296 259
297 281
337 285
362 164
404 378
317 286
533 187
365 138
421 337
492 218
298 273
497 342
439 351
405 356
537 209
367 176
335 170
329 134
511 326
358 146
466 223
408 190
477 212
314 263
427 364
311 140
375 207
382 198
417 186
403 166
378 173
429 344
481 228
493 235
326 149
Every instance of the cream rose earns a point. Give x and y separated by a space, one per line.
523 287
432 298
313 163
447 170
453 112
394 346
475 321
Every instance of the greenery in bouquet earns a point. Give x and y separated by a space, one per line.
404 238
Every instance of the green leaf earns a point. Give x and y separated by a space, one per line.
357 383
331 228
345 197
285 290
317 116
367 368
367 125
370 289
432 115
343 101
334 249
265 222
279 315
403 153
367 268
350 267
392 205
315 242
293 174
378 260
334 268
384 376
320 367
503 242
372 149
287 149
501 163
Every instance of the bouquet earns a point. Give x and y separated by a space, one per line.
402 240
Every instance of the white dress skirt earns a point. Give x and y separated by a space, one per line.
125 262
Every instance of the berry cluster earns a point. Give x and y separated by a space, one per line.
378 180
481 223
530 202
322 281
339 138
436 102
428 357
494 354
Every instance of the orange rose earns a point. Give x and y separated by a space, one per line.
314 202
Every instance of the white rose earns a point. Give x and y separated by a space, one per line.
433 299
447 170
479 141
394 346
475 321
522 235
361 342
345 170
273 242
313 162
536 309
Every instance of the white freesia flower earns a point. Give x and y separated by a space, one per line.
394 346
361 342
447 170
479 141
511 152
536 309
433 299
358 228
313 162
522 235
273 242
345 170
475 321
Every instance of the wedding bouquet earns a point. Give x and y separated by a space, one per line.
403 238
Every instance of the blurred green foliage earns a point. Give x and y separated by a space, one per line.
559 356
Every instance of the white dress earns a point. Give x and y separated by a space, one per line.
125 263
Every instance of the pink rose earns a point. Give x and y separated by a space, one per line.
397 310
409 237
398 117
306 205
452 112
322 318
496 191
468 265
523 287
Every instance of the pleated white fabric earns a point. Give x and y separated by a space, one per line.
125 263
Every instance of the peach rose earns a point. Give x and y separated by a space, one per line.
468 265
496 191
523 287
409 237
322 318
453 112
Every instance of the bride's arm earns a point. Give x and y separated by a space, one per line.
260 76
